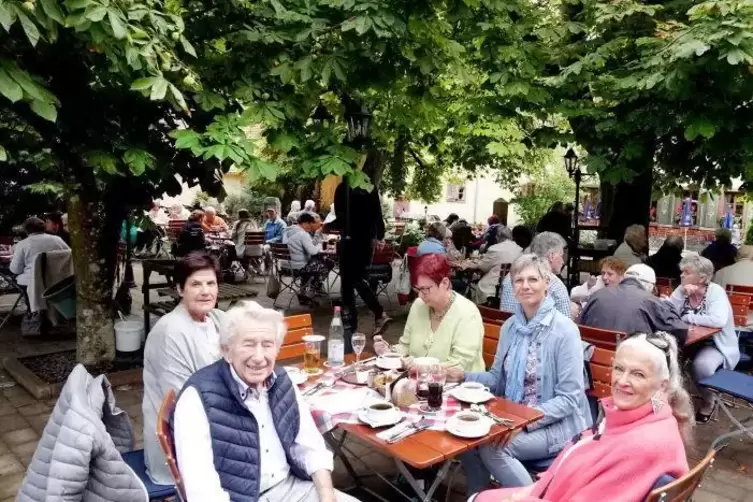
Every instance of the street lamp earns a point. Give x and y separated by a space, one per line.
358 122
573 171
321 115
571 162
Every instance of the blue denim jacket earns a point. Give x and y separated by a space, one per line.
430 245
273 230
561 390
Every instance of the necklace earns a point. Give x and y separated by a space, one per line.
438 316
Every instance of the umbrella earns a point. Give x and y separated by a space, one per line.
686 218
729 218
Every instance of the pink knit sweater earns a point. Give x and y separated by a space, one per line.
621 465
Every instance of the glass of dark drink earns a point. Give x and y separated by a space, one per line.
422 391
435 396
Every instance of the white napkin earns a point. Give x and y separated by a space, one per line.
343 401
392 431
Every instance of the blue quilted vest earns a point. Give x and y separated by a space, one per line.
234 431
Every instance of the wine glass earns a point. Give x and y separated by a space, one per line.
358 340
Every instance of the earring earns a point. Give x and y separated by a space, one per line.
656 403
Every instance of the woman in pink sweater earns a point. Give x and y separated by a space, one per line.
646 422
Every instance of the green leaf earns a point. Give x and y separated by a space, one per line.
45 110
283 142
10 88
138 160
96 13
700 127
186 138
118 28
32 33
178 96
142 83
264 169
7 15
52 10
3 154
187 46
77 4
159 89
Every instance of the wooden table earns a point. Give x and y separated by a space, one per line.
427 448
697 334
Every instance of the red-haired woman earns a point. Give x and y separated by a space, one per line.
441 323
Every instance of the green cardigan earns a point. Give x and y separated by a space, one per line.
458 339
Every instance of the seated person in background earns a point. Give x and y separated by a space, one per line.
53 225
522 236
704 303
451 220
274 226
191 238
630 306
309 206
179 212
434 241
666 261
504 251
648 420
721 252
539 363
248 255
295 210
612 272
181 343
441 323
242 430
633 249
741 273
551 247
490 234
213 223
25 252
305 258
462 237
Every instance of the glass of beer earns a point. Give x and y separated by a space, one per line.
312 354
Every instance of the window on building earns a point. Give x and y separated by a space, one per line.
455 192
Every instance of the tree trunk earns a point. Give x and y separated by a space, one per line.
630 205
94 269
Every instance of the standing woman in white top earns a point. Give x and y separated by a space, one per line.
181 343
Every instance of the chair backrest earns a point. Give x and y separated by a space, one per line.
491 339
493 316
279 251
738 288
740 307
683 488
504 269
601 372
6 240
603 338
165 437
383 255
298 327
254 238
174 228
664 286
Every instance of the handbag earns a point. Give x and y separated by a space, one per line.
273 283
404 287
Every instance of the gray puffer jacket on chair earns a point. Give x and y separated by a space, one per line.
78 457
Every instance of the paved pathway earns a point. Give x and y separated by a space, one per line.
22 419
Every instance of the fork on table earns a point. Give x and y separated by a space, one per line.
418 426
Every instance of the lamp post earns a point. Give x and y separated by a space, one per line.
573 171
358 120
321 116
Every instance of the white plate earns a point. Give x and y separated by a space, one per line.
297 376
459 394
389 363
452 428
396 417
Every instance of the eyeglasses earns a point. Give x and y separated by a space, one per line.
424 290
658 340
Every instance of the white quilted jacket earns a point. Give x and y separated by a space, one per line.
78 457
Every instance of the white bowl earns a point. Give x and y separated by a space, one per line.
390 361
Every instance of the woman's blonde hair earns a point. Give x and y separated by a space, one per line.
668 368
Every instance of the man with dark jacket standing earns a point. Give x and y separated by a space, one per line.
630 307
359 219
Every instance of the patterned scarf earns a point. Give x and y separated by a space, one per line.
523 332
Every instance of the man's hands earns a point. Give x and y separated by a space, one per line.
323 482
455 374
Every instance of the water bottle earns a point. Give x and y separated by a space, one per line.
336 342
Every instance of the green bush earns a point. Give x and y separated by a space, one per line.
749 234
549 187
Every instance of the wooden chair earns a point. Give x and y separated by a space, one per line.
298 327
740 308
601 373
664 286
745 290
603 338
503 271
165 436
254 239
493 316
491 339
682 489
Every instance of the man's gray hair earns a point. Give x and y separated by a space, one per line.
539 263
504 233
699 265
547 242
210 210
252 313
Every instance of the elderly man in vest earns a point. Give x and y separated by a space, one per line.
242 431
